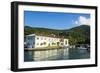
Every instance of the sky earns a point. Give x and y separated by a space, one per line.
55 20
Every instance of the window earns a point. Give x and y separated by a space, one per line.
37 43
58 43
44 43
65 42
41 44
53 43
37 38
61 43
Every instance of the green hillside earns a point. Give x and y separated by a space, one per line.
76 35
79 35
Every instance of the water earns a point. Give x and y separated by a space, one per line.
56 54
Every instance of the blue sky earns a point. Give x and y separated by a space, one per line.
55 20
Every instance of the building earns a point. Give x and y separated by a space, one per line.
35 41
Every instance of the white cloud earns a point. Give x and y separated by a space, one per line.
76 22
82 21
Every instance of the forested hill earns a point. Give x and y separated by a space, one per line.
76 35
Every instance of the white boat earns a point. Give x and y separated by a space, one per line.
82 48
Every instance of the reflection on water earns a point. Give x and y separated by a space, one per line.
56 54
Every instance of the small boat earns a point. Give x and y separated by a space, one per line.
82 48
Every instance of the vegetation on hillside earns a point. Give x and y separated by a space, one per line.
76 35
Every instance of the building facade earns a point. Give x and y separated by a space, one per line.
35 41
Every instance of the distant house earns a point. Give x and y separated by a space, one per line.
36 41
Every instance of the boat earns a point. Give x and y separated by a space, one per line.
84 48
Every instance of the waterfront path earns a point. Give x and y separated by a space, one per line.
45 48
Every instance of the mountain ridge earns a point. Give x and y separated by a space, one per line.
56 29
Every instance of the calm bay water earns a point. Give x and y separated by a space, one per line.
56 54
